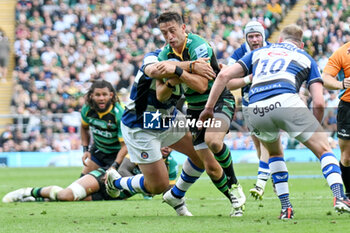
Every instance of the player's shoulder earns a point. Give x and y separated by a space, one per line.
198 46
85 109
240 52
166 49
163 53
118 108
306 55
194 40
153 53
287 48
149 58
345 47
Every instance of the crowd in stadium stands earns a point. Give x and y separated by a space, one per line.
62 45
326 27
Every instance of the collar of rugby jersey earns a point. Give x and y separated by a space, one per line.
101 114
183 48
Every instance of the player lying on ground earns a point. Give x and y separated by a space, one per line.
90 187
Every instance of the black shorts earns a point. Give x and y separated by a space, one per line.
225 105
102 159
101 194
4 61
99 174
343 120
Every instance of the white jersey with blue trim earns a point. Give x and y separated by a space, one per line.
238 54
144 98
277 69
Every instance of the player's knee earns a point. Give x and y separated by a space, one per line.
78 191
345 160
65 195
214 145
53 195
158 188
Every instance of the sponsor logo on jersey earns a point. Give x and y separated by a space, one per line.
256 132
201 51
343 133
102 133
263 110
255 90
144 155
273 54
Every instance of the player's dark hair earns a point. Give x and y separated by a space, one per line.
170 16
101 84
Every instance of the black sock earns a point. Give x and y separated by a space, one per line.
345 174
222 185
36 192
225 161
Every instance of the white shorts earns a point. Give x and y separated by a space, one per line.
144 145
245 112
287 112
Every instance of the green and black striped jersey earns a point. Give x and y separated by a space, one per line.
105 127
196 47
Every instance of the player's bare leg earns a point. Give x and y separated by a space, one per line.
318 144
263 171
214 138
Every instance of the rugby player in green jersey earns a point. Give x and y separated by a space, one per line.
126 168
208 142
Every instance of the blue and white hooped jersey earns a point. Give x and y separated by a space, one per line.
238 54
143 96
277 69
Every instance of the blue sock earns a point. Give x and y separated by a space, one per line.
331 171
133 184
279 174
190 173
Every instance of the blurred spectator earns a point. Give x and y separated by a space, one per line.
330 123
6 135
241 142
275 8
61 46
4 55
71 119
62 143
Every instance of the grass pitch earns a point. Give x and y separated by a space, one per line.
310 196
